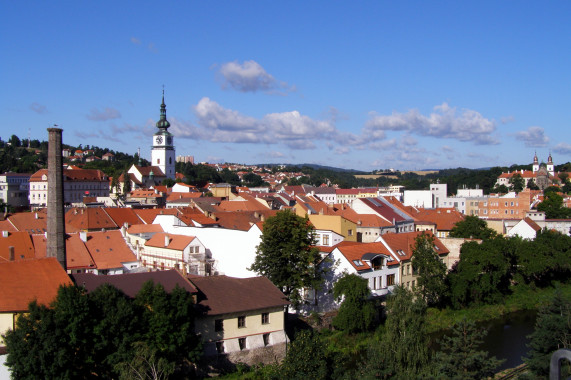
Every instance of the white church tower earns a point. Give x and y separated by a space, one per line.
163 153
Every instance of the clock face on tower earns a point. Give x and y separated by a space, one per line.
159 139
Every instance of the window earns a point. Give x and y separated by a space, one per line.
218 325
242 343
220 347
390 279
241 322
325 240
266 338
377 263
349 232
265 318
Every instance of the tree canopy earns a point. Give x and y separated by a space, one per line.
286 255
472 227
431 271
356 313
99 334
459 356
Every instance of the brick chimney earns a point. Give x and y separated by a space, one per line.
55 222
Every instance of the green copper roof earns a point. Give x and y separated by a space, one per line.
163 122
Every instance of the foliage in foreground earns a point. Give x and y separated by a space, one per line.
460 357
104 334
552 332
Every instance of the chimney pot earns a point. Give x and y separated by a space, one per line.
5 234
167 240
83 236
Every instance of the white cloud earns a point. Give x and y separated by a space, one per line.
533 137
219 124
250 76
342 150
444 122
562 148
38 108
107 114
135 41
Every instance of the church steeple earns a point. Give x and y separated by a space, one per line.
163 123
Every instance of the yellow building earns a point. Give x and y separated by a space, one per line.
240 315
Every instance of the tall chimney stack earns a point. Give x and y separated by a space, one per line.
56 225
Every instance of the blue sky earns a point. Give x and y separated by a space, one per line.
362 85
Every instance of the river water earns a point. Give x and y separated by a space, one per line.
507 337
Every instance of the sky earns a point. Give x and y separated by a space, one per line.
363 85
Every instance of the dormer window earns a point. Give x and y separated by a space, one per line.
358 263
377 263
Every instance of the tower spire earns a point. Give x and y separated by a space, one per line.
163 123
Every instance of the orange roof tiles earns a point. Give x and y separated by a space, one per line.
175 242
148 215
354 253
28 280
445 218
108 249
120 216
77 254
405 242
144 228
22 243
91 218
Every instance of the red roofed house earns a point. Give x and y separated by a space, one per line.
169 251
24 281
77 183
401 245
242 318
372 261
525 228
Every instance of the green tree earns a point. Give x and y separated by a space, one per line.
460 358
168 182
517 183
483 273
472 227
169 321
552 332
431 279
252 180
286 255
552 205
532 185
306 358
403 351
126 183
501 189
356 313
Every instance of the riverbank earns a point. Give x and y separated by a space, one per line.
522 298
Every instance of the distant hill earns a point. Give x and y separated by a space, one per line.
318 167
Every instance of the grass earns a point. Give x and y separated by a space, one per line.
522 298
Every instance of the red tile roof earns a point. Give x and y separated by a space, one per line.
121 215
22 243
77 254
223 294
354 254
405 242
175 242
90 218
28 280
148 215
108 249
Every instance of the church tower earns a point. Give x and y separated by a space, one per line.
550 166
162 153
535 163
